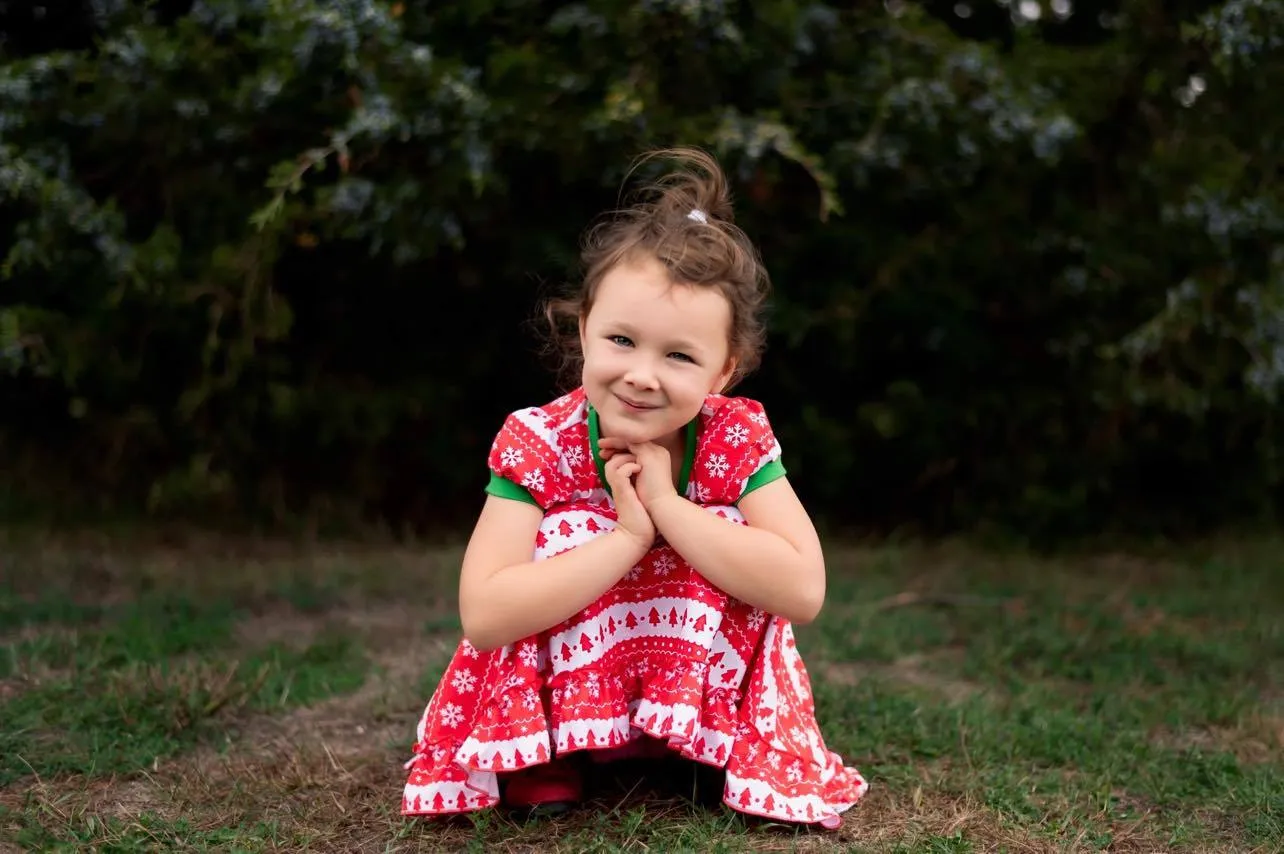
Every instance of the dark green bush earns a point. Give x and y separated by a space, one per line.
272 259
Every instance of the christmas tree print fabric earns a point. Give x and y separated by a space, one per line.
662 653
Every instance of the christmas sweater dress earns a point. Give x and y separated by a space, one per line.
662 653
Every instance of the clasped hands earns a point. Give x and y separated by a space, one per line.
640 475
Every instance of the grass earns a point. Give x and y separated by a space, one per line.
203 696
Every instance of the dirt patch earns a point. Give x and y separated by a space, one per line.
1257 738
888 817
103 570
281 625
912 670
336 752
383 710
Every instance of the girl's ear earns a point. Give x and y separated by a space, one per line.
729 370
582 319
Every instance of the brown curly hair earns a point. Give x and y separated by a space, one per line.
711 253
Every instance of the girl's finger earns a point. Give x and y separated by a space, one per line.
622 482
618 460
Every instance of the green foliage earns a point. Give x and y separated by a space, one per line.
272 258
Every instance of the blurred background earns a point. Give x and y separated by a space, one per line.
271 264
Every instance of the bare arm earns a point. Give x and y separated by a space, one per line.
775 562
505 596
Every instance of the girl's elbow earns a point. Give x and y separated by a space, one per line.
811 600
483 647
481 641
808 609
480 636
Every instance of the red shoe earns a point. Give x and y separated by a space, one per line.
552 787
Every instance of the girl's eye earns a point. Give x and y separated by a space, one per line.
620 340
682 357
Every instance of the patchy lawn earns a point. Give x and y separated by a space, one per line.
251 697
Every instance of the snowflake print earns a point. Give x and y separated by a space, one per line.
751 704
452 715
464 681
717 465
529 654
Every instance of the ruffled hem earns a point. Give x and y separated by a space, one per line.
669 701
431 791
461 774
820 791
445 787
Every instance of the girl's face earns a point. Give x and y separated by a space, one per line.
653 350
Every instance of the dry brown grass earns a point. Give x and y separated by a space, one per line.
324 771
1256 738
328 777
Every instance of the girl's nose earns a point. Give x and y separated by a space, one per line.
641 374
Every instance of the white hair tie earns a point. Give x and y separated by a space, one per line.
698 215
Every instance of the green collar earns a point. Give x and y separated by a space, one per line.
688 456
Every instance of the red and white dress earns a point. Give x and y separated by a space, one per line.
662 653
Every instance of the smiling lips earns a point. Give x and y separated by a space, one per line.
635 406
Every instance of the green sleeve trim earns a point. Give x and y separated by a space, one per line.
502 488
688 459
773 470
594 435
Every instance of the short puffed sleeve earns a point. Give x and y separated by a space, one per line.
738 452
523 459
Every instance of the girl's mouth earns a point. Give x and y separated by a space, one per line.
636 407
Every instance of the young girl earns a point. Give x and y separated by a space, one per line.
631 582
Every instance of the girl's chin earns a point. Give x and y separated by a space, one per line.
624 434
632 433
